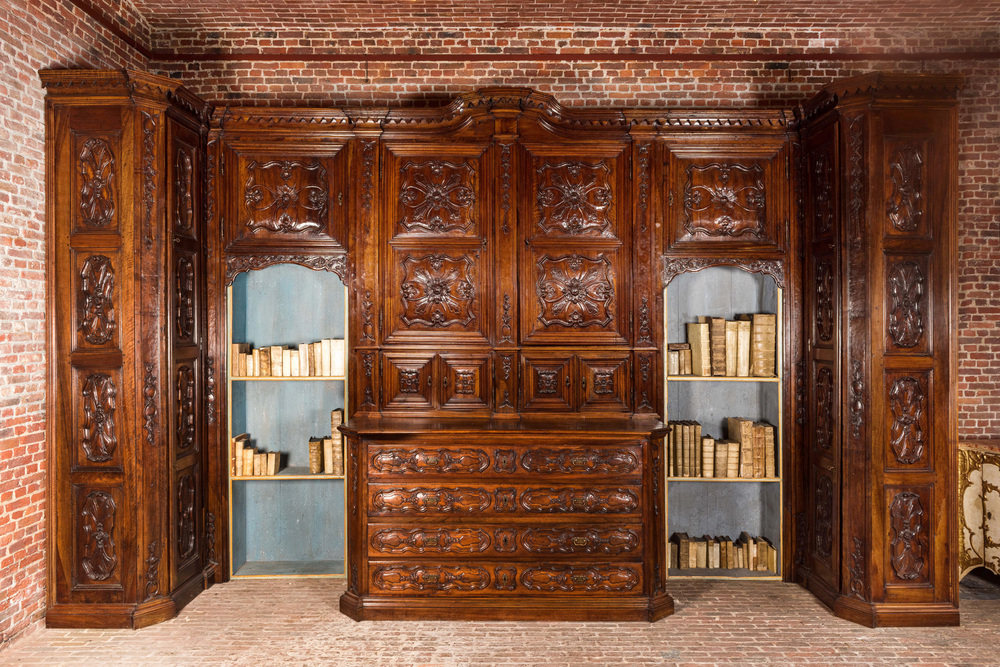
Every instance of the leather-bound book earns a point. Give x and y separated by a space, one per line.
721 463
701 348
696 449
762 344
304 359
258 464
295 369
673 362
707 457
248 453
684 551
733 459
315 455
686 362
732 347
741 430
770 454
265 362
236 456
743 347
273 459
758 449
338 357
255 363
717 336
328 457
286 362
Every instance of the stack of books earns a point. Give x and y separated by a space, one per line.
721 552
326 454
749 452
325 358
742 347
246 461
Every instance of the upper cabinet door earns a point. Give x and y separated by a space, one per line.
288 197
728 194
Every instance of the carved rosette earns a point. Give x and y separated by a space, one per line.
437 290
575 291
566 578
185 297
824 300
97 520
424 460
99 394
674 266
824 516
437 197
724 200
824 408
906 292
822 174
185 516
908 535
184 189
96 167
574 198
430 578
236 264
905 204
185 408
907 404
286 196
96 300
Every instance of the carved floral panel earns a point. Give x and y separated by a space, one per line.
96 180
908 536
575 291
286 196
438 290
431 540
907 292
824 299
724 199
821 178
185 296
95 301
823 516
574 198
824 408
905 175
908 411
184 189
99 404
438 197
185 408
98 559
186 516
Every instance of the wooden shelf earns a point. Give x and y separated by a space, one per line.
291 472
723 479
309 378
721 573
720 378
290 568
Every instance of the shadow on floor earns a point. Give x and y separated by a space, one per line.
980 584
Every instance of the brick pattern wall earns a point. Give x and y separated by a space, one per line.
35 34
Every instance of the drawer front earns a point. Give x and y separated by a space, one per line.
415 578
576 541
434 500
386 460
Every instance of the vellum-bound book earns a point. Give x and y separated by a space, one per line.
762 343
732 347
717 336
707 457
701 350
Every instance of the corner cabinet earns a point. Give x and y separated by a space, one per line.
505 261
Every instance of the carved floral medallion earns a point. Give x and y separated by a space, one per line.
575 291
437 290
906 293
574 198
437 197
96 165
99 394
96 300
905 204
908 535
907 403
97 521
724 200
286 196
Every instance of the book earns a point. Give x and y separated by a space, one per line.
732 345
294 369
673 362
265 362
236 456
701 351
248 453
702 553
721 463
683 551
743 347
286 362
673 554
741 430
696 449
276 361
770 455
255 363
762 344
304 359
677 443
328 456
338 357
258 465
733 459
315 455
273 459
707 457
686 361
325 358
717 338
758 450
336 419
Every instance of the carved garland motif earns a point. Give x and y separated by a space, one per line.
594 578
906 401
824 300
906 521
99 394
801 536
367 176
724 200
294 203
824 408
857 399
367 317
643 184
800 392
368 361
185 516
236 264
210 389
210 538
507 362
906 290
149 175
149 405
645 372
430 460
905 204
96 300
185 408
505 181
437 578
437 196
98 524
645 330
823 193
856 188
674 266
184 189
857 571
437 290
97 175
152 570
185 297
824 516
574 198
506 331
575 291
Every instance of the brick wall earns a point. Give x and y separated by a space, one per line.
35 34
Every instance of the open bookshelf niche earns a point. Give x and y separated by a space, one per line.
291 523
720 506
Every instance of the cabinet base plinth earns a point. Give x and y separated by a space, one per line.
110 616
506 609
896 615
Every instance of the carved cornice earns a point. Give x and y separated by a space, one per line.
681 119
270 117
882 86
236 264
125 83
673 266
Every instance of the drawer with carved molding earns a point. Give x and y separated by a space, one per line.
618 460
504 541
487 500
480 578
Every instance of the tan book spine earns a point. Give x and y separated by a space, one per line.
336 419
743 348
258 468
248 453
325 358
772 558
678 442
338 357
707 457
673 362
255 361
276 361
286 362
686 362
702 553
721 463
684 551
265 362
701 348
315 455
717 338
234 356
693 554
732 346
304 360
338 454
689 467
696 450
328 456
762 343
673 555
272 463
770 454
733 459
296 366
758 450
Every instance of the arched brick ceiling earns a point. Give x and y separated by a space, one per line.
167 15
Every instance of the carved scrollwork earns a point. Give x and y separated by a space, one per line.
906 291
99 394
674 266
185 297
507 363
430 578
210 389
432 500
906 521
424 460
907 404
574 198
210 538
185 408
645 375
438 290
98 523
184 189
506 330
724 200
575 291
96 166
367 174
587 501
368 363
431 540
96 300
822 173
438 197
596 540
857 571
567 578
905 204
505 500
824 408
149 175
149 404
236 264
505 181
824 299
286 196
576 461
823 524
152 570
185 516
857 404
645 333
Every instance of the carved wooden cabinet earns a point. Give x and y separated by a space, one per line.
130 537
505 519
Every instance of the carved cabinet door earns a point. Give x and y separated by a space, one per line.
583 382
408 380
465 381
604 381
286 197
726 194
547 382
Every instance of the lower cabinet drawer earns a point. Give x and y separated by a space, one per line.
407 500
411 578
621 541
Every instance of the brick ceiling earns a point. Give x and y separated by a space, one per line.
167 15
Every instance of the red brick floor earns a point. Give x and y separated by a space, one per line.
296 622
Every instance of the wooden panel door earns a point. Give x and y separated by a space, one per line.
408 380
465 382
604 381
547 382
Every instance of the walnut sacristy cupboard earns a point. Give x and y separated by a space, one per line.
506 261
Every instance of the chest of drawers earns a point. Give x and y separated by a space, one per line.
548 520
